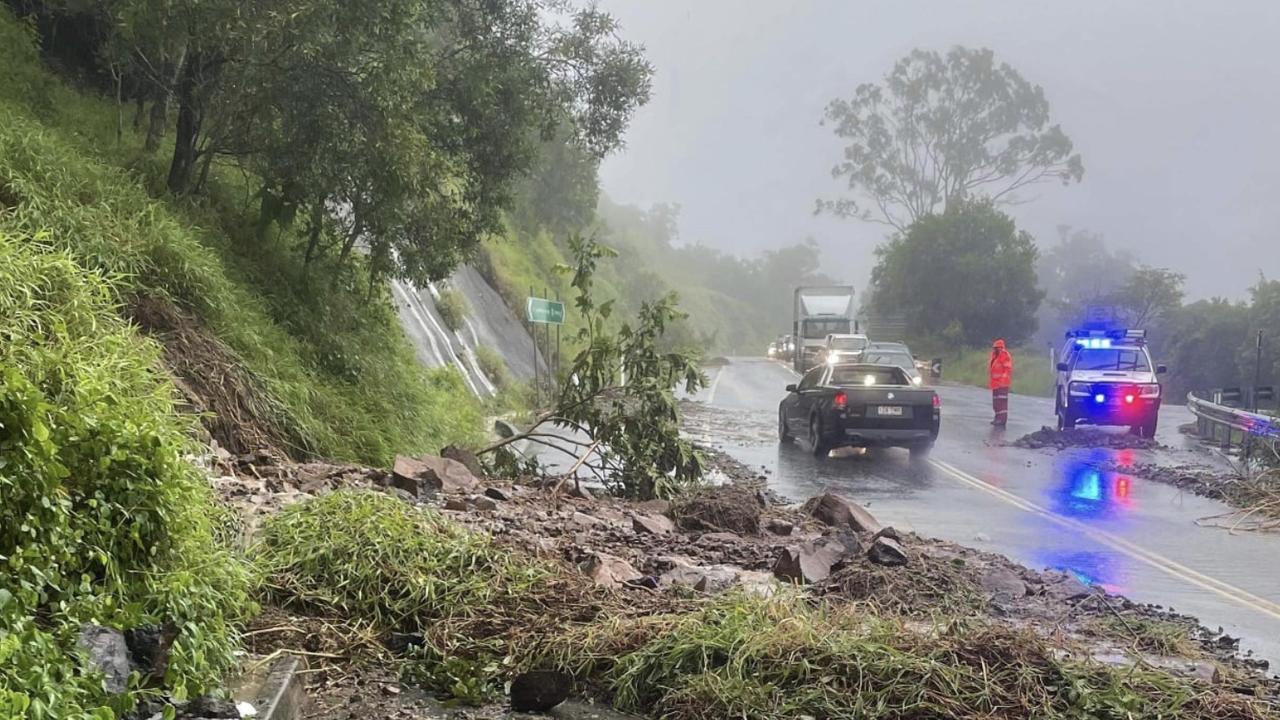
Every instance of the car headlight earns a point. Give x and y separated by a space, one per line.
1149 391
1078 389
917 380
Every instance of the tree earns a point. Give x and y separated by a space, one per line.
1079 272
1196 342
944 129
619 393
967 274
1149 295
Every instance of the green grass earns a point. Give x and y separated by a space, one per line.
452 307
335 367
1032 374
103 518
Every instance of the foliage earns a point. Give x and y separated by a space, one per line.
1075 274
493 367
103 518
452 306
621 390
1032 374
966 276
400 125
332 359
943 129
785 657
1149 295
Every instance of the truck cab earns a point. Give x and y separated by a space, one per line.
1107 378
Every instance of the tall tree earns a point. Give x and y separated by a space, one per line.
943 129
966 275
1076 273
1149 295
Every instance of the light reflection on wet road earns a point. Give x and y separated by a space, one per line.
1043 508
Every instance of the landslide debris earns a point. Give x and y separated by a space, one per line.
402 600
1047 437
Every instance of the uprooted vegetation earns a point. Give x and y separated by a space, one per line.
103 520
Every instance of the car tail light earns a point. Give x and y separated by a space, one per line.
840 400
1129 398
937 401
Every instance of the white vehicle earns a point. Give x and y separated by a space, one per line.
1107 378
843 347
897 355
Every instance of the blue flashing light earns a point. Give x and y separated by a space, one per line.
1094 343
1099 398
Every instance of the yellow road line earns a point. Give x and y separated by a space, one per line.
1159 562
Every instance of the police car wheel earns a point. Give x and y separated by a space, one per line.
1065 420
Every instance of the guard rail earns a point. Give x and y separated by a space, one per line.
1228 425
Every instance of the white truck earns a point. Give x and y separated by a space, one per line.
819 311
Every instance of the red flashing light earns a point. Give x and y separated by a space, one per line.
937 401
840 400
1129 398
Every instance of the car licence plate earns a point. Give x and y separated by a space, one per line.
889 410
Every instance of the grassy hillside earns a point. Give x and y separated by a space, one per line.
309 365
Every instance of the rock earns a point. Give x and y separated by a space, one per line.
887 551
401 495
426 476
1066 587
981 537
836 511
466 457
496 494
1204 670
480 502
539 690
778 526
704 579
149 647
582 493
650 582
211 707
401 643
652 525
457 504
1002 583
582 519
108 653
608 570
810 562
718 538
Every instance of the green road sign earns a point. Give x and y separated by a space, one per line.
540 310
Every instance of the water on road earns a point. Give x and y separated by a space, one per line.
1043 508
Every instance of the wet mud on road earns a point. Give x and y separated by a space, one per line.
1078 510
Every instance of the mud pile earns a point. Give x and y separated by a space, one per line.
1047 437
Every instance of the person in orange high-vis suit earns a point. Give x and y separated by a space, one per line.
1001 375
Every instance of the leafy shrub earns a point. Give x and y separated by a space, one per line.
493 366
103 519
452 307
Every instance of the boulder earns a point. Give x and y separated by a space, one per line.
426 476
466 457
496 493
836 511
887 551
778 526
539 690
1002 583
482 502
1065 587
149 647
652 524
211 707
582 519
713 578
457 504
810 562
107 653
608 570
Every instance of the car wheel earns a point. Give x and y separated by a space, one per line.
820 448
784 435
1148 428
921 451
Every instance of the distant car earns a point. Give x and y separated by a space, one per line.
772 352
890 354
861 405
842 347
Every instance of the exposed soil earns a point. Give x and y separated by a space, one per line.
231 404
1047 437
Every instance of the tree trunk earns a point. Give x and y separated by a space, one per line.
313 233
188 129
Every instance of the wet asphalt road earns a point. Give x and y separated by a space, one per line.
1042 508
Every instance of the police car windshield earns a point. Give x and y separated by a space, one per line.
1115 359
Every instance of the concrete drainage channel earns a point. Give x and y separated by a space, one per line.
274 690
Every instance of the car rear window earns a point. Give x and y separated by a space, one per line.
848 343
902 360
860 374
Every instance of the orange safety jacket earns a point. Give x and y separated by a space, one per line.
1001 369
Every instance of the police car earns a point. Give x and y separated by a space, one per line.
1107 378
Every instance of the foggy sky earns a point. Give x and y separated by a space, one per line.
1174 106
